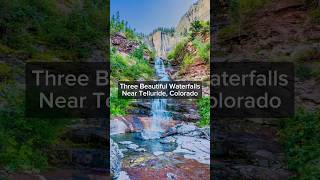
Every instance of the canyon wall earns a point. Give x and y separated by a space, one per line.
163 42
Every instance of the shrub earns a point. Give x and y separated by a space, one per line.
26 25
203 49
119 25
301 139
5 71
199 27
303 71
177 50
203 105
187 60
23 141
118 106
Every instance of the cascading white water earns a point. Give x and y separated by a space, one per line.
159 106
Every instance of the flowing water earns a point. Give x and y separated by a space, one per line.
149 139
159 106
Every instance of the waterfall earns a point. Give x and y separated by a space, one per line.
159 106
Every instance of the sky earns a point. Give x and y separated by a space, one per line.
146 15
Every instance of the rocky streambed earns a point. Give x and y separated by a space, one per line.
182 152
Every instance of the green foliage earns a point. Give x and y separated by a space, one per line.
304 55
315 16
203 49
118 25
203 105
23 141
139 52
132 67
228 32
153 54
118 107
129 68
26 25
199 27
301 140
248 6
303 71
240 9
186 62
5 71
178 50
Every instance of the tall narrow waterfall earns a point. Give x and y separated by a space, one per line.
159 106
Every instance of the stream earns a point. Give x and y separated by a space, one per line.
157 144
149 139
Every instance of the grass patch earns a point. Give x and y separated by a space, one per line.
118 107
178 50
203 105
203 49
301 139
186 62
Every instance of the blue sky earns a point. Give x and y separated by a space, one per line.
146 15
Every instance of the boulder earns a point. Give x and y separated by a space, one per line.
115 159
168 140
157 153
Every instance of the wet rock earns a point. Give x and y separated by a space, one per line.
123 176
133 147
141 150
115 159
185 128
171 131
123 150
117 127
157 153
205 132
168 140
125 142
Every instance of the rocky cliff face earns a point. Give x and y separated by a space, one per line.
198 11
164 42
250 148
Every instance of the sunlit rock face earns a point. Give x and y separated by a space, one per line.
164 42
198 11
